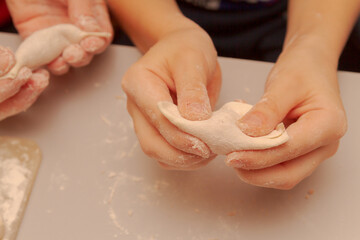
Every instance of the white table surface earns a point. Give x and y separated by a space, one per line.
96 183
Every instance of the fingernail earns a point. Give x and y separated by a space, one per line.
250 124
93 44
73 54
195 111
61 69
41 79
202 111
7 60
24 73
234 160
199 148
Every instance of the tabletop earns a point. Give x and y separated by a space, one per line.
96 183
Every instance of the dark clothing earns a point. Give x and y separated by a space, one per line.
230 5
251 34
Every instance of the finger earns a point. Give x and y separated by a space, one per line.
288 174
85 14
187 168
58 66
214 86
156 147
101 13
76 56
45 14
7 60
191 77
26 96
146 89
312 130
91 44
275 104
9 87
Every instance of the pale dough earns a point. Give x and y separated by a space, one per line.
45 45
220 132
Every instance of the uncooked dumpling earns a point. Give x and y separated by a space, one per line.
220 132
45 45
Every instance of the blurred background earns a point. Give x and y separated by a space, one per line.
247 32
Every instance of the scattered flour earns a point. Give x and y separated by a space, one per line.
106 120
14 178
149 190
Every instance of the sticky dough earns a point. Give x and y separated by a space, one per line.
45 45
220 132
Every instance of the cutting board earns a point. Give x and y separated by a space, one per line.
19 163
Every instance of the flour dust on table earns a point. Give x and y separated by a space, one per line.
19 162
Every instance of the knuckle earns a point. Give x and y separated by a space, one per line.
333 149
340 124
149 151
127 79
124 84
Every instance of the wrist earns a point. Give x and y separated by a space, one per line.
175 24
313 46
146 27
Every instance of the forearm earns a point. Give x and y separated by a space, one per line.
325 24
147 21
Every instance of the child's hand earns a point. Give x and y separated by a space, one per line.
17 95
88 15
181 67
301 89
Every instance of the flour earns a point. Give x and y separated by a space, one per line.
14 178
106 120
115 221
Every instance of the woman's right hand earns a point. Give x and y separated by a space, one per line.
17 95
182 68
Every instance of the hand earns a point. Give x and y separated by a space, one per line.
89 15
302 91
17 95
181 67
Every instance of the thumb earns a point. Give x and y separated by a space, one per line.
82 15
191 88
267 113
91 16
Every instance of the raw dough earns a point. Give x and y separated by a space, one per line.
220 132
45 45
